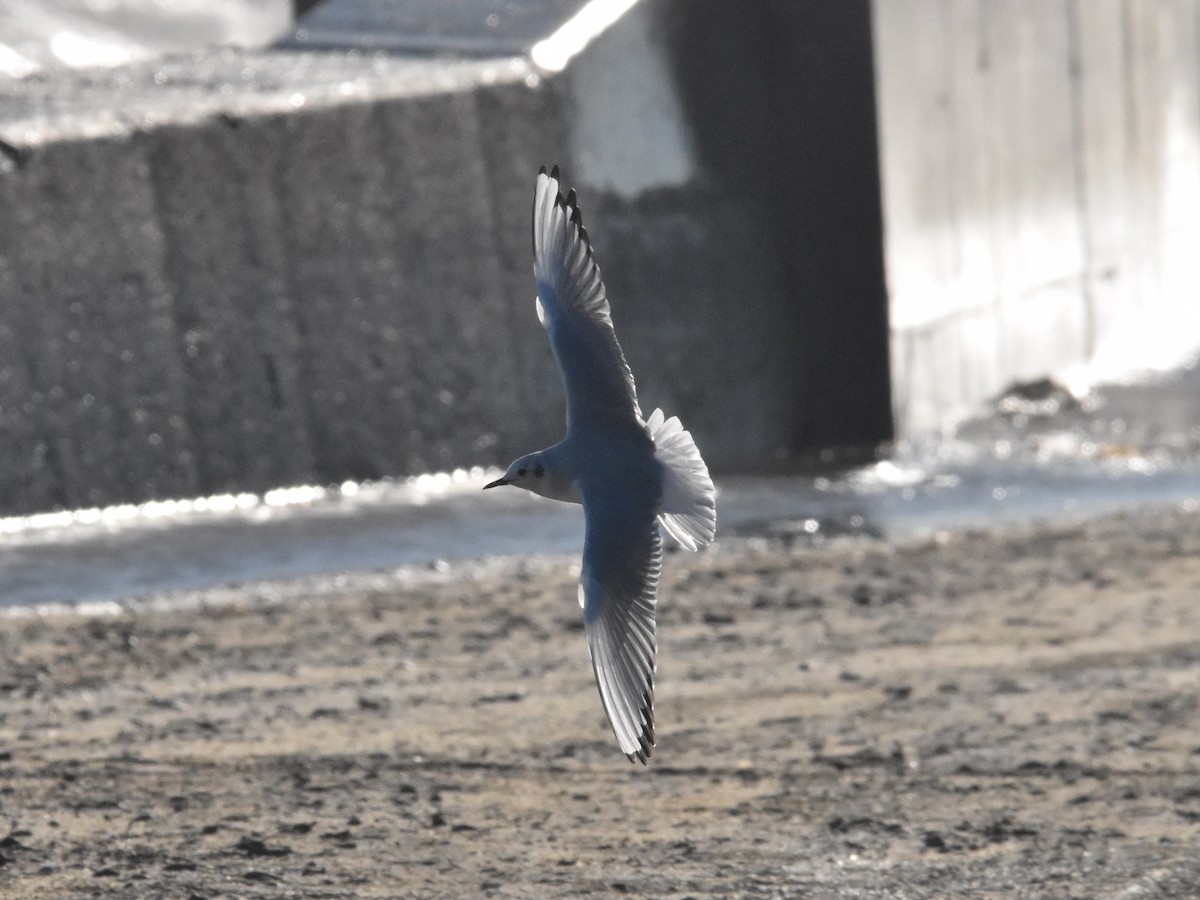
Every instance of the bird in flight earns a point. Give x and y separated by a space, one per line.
630 473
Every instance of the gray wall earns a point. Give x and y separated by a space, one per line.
250 299
1041 164
240 270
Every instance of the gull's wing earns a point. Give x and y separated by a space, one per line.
574 309
622 558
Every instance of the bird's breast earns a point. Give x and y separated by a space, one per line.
624 459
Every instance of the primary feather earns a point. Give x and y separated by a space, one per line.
574 309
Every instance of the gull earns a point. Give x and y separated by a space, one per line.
631 474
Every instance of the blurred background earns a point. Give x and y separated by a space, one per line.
897 265
92 33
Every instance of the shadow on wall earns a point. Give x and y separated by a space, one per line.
781 99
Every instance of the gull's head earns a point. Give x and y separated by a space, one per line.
526 472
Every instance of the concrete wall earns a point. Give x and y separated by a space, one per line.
780 97
233 271
256 297
736 205
239 270
1041 167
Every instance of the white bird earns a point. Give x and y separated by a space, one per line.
628 472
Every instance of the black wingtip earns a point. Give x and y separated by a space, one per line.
646 738
572 203
554 172
541 170
642 754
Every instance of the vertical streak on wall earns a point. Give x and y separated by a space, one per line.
1079 160
1041 200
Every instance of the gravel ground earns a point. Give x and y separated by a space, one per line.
1004 714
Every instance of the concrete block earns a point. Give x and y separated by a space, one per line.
218 207
94 318
300 284
1040 164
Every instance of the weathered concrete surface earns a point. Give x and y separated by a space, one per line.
471 27
302 282
239 270
1041 165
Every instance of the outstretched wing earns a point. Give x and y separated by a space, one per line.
574 309
622 559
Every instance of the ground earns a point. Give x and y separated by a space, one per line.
1006 714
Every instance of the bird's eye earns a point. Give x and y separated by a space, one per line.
539 471
521 473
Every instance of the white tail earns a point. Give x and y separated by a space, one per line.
689 502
